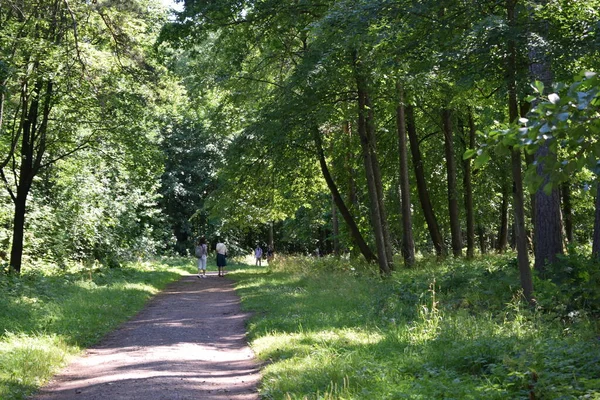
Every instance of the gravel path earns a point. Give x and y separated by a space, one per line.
188 343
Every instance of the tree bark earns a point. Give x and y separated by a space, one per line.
370 163
548 224
432 225
33 144
335 227
518 196
352 197
370 125
452 184
339 202
502 242
481 234
408 243
567 210
596 238
548 227
468 188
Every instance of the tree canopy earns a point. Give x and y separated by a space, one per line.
374 128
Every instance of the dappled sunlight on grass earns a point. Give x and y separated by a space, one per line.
451 330
28 360
48 315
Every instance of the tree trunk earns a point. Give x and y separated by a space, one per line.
596 239
33 137
335 227
408 243
370 125
352 197
502 242
364 133
452 185
548 227
468 188
355 234
548 224
518 196
567 210
432 225
481 234
16 252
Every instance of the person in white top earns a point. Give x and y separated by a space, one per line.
258 252
201 253
221 257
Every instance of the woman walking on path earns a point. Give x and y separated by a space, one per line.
201 253
221 257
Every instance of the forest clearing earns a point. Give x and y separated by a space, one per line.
422 174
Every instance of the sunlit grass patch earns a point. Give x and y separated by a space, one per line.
26 361
437 331
50 314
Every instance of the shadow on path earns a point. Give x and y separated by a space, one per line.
187 343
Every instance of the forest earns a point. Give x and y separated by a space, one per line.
383 132
364 128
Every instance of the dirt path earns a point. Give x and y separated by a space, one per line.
188 343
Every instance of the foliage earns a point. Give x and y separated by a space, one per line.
92 193
49 314
191 157
439 330
568 118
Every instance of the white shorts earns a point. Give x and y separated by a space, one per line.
202 263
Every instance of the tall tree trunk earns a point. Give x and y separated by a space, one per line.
468 188
352 197
481 234
519 209
370 125
548 224
335 227
502 242
432 225
355 234
596 238
567 210
33 136
548 227
272 235
364 132
408 242
452 185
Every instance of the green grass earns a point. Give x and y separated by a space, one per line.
48 315
454 330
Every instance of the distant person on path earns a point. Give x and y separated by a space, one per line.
258 253
201 253
221 257
270 254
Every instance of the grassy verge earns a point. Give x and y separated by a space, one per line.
457 330
49 315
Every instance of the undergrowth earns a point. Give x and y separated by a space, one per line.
50 314
332 329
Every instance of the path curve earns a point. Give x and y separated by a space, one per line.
187 343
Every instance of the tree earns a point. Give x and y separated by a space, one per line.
408 243
62 65
452 186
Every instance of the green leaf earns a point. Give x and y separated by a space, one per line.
538 87
481 160
469 153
